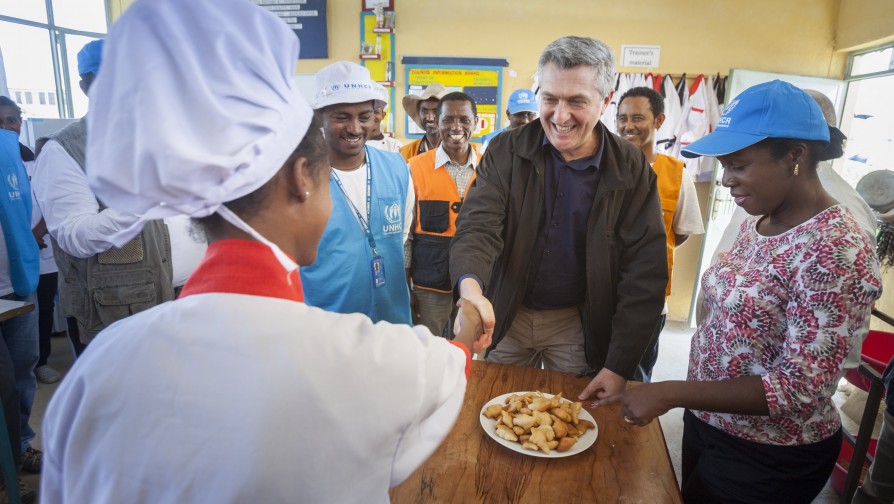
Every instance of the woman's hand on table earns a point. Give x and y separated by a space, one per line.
639 405
605 383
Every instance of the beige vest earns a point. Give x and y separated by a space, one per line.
108 287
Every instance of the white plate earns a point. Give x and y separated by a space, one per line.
583 442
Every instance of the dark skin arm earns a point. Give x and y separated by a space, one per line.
468 328
39 231
744 395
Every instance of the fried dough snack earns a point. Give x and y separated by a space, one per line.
539 422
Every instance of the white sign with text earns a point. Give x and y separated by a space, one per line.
640 56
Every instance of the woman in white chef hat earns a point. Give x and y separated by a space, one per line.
237 391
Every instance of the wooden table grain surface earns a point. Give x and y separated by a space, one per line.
10 309
627 464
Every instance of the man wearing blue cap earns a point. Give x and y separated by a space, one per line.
521 109
99 283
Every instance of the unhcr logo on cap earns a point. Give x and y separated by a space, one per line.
357 85
725 120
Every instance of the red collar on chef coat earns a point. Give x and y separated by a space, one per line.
249 267
243 267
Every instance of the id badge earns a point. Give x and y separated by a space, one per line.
378 271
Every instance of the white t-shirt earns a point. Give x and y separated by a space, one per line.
688 215
354 182
389 144
47 262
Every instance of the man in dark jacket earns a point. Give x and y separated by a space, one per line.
560 243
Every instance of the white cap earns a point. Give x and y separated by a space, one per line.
196 105
346 82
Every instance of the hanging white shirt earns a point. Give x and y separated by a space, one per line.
672 112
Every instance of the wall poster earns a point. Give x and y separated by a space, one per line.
480 78
307 18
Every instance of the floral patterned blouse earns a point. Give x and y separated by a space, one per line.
787 308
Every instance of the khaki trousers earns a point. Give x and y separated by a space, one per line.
551 339
434 310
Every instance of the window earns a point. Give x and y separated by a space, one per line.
868 118
875 61
40 40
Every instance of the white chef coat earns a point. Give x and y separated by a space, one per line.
693 125
228 397
672 112
187 249
70 207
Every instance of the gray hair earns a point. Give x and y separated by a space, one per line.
825 104
570 52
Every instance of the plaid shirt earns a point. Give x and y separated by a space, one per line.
461 174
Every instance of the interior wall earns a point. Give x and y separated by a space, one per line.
864 23
696 36
686 265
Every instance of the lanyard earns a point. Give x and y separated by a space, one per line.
364 225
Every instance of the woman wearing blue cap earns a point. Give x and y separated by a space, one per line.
783 307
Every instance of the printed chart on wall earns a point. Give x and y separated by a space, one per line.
480 78
308 19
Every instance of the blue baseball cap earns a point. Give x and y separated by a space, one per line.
773 109
522 100
89 57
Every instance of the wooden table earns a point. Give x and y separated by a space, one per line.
626 464
10 309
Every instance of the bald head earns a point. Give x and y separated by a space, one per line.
825 105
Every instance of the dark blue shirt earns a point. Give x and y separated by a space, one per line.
558 277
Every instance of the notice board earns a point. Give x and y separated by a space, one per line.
480 78
307 18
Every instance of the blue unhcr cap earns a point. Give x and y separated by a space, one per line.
89 57
522 100
773 109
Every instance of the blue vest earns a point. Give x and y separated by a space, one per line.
341 279
15 216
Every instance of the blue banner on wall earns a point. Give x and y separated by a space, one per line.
308 19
